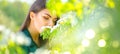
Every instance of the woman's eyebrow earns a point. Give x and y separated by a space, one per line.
48 15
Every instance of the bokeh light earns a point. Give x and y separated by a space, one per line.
90 34
85 43
115 44
101 43
104 23
67 52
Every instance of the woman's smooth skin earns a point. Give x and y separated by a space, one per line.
38 20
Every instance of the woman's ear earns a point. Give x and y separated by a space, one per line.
32 15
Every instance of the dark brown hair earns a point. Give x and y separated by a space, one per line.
36 7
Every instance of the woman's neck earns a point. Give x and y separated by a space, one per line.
34 34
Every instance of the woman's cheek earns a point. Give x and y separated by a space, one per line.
40 26
37 26
41 29
40 23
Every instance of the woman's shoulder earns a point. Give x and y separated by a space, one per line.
23 37
26 32
29 45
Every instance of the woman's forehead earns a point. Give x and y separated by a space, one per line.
47 12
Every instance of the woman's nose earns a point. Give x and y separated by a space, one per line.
51 23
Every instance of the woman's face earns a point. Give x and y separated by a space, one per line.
42 18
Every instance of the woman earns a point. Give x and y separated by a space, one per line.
37 17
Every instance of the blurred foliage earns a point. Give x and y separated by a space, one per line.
85 27
11 48
7 21
8 43
13 12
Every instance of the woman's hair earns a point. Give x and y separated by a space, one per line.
36 7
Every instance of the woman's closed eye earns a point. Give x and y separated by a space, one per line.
46 17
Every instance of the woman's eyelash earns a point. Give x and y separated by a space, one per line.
46 17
